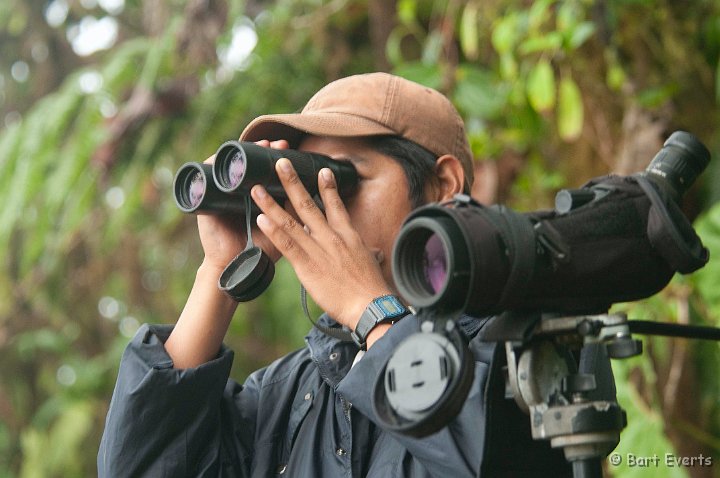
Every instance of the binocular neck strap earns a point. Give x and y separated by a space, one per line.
340 334
248 221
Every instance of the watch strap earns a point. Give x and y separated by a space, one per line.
383 309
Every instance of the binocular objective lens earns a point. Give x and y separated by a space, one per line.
435 263
196 189
236 169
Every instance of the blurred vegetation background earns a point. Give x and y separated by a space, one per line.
102 100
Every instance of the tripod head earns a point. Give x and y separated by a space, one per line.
558 371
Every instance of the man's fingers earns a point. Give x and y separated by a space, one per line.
302 202
335 211
279 144
284 237
283 230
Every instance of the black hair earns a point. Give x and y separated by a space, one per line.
417 162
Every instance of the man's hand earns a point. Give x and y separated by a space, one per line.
223 237
202 325
329 257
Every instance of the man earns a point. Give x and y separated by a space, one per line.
309 414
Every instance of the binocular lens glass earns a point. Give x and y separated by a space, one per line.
236 169
435 263
196 190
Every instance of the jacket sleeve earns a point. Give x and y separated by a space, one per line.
456 450
167 422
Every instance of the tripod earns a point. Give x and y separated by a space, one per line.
558 371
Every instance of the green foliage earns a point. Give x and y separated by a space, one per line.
95 245
706 279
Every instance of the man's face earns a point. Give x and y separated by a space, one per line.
381 201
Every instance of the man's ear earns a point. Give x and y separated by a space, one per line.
449 178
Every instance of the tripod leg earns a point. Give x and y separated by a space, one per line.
589 468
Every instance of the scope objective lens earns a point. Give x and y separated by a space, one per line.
435 263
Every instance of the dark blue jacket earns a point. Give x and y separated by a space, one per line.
308 414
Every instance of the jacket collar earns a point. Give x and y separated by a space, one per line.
332 356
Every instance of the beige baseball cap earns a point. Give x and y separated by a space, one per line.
373 104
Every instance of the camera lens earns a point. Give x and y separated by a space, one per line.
435 263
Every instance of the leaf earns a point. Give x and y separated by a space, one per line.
549 42
566 16
508 66
407 11
539 13
570 110
478 94
541 87
505 34
616 77
469 35
393 50
655 97
580 34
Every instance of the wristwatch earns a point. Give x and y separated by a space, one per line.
381 310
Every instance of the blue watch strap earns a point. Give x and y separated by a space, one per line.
380 310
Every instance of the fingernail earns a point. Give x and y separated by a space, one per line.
262 220
327 175
284 165
259 192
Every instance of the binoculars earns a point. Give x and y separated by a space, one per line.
201 188
238 167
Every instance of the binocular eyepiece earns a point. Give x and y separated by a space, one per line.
201 188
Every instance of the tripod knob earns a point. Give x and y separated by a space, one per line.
578 383
624 347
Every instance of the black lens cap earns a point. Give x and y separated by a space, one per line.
425 382
248 275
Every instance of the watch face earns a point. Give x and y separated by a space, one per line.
390 305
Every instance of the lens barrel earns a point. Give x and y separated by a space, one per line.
196 192
240 165
431 263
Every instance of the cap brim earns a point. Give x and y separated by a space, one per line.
292 127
